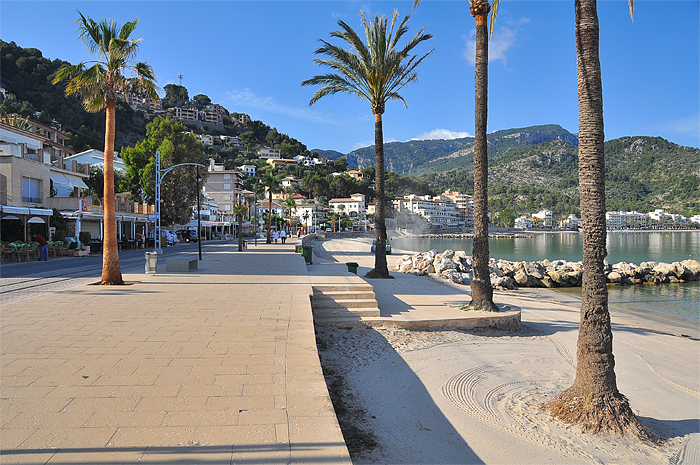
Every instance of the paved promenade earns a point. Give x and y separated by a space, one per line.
214 366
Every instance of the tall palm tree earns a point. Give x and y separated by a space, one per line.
99 85
481 290
272 183
593 401
376 72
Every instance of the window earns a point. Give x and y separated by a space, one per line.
227 207
31 190
227 196
227 176
227 186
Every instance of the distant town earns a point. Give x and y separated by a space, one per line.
42 175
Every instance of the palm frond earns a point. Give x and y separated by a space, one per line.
494 13
372 69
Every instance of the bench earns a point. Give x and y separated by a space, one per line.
180 264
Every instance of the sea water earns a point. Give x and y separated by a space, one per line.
671 307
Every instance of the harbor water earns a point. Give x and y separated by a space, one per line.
672 307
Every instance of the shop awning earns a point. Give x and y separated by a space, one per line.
68 180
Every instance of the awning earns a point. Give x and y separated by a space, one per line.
15 210
68 180
41 211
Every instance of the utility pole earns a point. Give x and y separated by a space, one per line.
180 76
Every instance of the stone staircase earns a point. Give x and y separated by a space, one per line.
343 304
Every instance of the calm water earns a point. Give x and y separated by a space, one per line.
634 247
673 307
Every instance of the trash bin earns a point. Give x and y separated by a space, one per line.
307 251
151 262
352 267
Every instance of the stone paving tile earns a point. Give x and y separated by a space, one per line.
200 367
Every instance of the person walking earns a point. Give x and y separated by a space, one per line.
283 236
275 236
44 252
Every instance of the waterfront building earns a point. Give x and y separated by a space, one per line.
464 204
439 213
353 206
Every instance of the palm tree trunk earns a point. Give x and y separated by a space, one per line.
111 271
380 265
604 408
239 218
482 292
269 219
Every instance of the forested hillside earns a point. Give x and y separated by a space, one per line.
642 173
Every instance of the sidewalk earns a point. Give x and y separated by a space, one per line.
218 365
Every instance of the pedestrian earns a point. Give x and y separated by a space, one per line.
275 236
44 253
283 236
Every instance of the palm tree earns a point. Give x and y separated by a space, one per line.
290 206
376 72
593 401
272 183
481 290
306 220
99 85
240 210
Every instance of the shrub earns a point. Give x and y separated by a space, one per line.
85 237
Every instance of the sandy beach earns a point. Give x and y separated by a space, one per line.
457 397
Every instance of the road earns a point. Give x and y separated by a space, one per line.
20 281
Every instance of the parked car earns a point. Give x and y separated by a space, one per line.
171 236
186 235
388 246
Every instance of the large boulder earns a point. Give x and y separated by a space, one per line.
692 270
614 277
445 264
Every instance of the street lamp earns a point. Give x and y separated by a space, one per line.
159 179
199 224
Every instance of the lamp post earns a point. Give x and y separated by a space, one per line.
199 224
159 179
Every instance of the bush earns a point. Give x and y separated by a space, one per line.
85 237
59 235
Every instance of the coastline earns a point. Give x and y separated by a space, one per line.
460 397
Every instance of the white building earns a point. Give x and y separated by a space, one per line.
572 222
289 181
353 206
523 223
545 216
249 170
94 157
268 153
440 213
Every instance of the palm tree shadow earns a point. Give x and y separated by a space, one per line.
382 394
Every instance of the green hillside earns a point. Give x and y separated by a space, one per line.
642 173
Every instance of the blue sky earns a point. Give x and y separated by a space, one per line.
250 56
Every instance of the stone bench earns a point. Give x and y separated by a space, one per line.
180 264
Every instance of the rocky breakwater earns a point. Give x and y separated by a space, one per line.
457 267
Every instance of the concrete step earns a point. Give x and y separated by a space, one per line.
326 288
322 314
345 303
343 295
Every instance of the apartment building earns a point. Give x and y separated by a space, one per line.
464 204
225 188
28 172
186 114
440 213
545 217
